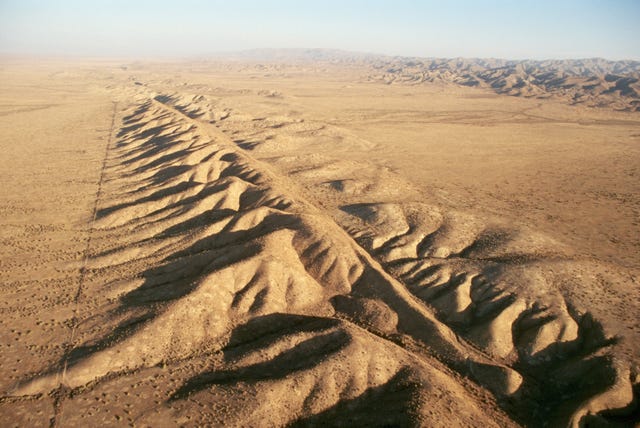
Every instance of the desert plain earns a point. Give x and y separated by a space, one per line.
317 242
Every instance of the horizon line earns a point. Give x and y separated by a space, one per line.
230 53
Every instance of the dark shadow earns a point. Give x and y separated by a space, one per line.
154 146
486 242
176 277
155 196
122 331
263 330
303 356
167 173
388 405
247 145
203 219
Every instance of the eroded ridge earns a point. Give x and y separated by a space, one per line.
501 287
211 272
210 285
496 286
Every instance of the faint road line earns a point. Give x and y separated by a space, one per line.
60 393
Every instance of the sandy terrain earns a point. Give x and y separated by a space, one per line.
244 244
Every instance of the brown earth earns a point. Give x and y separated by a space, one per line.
242 244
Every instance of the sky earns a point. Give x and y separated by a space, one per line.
517 29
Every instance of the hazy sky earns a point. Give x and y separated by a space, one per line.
500 28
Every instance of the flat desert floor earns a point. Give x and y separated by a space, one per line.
241 244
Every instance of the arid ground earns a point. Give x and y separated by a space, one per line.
318 243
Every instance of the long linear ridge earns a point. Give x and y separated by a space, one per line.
219 285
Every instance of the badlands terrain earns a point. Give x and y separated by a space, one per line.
319 239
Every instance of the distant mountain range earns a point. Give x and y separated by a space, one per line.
593 82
